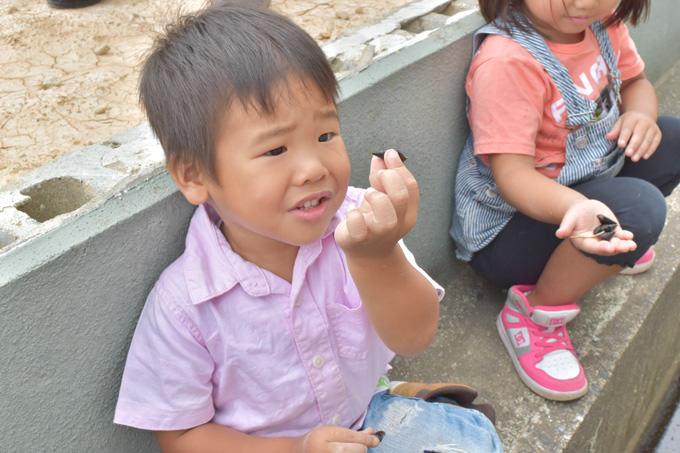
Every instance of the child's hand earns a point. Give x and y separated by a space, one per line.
337 439
638 133
581 219
389 210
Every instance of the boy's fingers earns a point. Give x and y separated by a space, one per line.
392 159
356 224
357 440
380 211
352 229
368 430
377 164
395 188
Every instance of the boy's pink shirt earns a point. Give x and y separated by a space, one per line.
223 340
516 108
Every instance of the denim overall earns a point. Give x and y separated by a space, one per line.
480 211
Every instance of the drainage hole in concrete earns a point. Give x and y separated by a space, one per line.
54 197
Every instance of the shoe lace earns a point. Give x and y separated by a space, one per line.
550 339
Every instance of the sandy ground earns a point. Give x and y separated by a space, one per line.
69 77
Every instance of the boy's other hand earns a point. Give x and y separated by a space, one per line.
335 439
581 219
389 209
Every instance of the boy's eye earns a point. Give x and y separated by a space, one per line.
276 151
326 137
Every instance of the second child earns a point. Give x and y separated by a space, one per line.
564 130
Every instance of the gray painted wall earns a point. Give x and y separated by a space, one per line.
414 101
70 298
657 38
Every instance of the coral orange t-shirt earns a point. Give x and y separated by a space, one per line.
516 108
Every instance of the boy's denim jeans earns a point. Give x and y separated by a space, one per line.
412 425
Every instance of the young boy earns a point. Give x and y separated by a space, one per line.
273 328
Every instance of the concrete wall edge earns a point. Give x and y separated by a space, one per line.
40 250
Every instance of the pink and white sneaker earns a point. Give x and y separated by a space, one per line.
641 265
539 346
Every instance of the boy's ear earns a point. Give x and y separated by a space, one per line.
190 180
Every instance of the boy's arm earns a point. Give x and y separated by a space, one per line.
213 438
541 198
401 303
636 129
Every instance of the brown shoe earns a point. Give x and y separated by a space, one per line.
459 394
71 4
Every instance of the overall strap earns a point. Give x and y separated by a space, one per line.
607 52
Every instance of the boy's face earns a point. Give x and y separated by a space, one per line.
282 176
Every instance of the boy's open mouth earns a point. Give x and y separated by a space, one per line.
309 204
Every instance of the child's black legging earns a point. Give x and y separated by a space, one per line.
636 196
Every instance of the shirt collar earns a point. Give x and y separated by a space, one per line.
211 268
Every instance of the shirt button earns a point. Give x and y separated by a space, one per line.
317 361
336 419
298 301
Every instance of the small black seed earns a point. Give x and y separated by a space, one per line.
381 154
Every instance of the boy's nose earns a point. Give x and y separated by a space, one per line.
310 168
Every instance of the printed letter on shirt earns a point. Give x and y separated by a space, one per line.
558 108
598 69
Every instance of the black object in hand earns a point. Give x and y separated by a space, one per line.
381 155
606 229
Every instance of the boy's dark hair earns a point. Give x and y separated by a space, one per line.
628 10
225 53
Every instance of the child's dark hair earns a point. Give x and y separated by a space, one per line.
225 53
628 10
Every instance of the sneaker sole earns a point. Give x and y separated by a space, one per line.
640 268
637 270
533 385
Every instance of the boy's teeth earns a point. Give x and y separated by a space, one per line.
310 204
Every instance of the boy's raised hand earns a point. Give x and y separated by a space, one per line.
389 210
581 219
335 439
